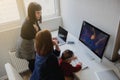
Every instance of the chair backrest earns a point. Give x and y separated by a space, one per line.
21 65
12 73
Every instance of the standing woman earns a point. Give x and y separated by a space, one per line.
25 48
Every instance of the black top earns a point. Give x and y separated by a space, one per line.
50 70
27 31
47 68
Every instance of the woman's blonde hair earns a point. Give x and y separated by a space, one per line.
43 42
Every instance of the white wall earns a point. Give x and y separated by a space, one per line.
8 40
104 14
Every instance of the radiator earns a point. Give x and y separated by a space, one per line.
20 65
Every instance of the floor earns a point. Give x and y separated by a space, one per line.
26 75
117 64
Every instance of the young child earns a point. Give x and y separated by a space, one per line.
67 68
46 62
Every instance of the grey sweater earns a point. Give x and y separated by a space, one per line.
25 46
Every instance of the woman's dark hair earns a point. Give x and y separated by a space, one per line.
43 42
33 6
67 54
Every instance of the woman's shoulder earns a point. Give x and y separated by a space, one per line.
27 22
27 30
51 58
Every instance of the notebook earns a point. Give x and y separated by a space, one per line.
62 36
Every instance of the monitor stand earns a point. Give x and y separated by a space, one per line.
93 57
90 57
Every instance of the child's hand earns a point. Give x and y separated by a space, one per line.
79 63
74 57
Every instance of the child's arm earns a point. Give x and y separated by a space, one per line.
73 58
76 68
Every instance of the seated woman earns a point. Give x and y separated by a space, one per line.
46 62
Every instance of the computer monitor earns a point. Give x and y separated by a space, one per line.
94 38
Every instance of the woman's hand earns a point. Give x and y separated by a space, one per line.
36 27
55 43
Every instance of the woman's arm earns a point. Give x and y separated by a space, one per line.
55 43
57 49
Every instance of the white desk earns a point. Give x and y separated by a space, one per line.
94 66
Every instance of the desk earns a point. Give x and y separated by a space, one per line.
94 66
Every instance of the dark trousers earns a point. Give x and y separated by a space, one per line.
31 64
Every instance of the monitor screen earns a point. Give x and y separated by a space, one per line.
94 38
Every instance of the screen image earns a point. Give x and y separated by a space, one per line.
95 39
62 33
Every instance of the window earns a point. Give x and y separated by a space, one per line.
13 12
48 6
8 11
